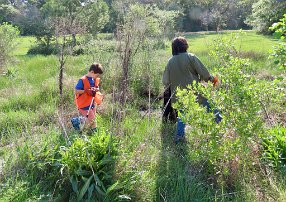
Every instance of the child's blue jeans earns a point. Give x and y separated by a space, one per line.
181 125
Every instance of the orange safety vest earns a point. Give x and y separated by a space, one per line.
83 100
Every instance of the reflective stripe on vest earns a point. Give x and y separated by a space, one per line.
83 100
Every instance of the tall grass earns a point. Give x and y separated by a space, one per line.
149 166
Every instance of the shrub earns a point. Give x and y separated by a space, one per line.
39 161
8 35
265 13
43 49
279 52
85 164
275 147
88 166
242 99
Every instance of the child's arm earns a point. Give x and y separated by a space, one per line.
79 91
79 87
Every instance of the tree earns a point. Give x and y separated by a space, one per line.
265 13
140 28
26 15
239 13
29 17
216 13
88 14
8 34
98 17
7 11
72 17
279 52
213 15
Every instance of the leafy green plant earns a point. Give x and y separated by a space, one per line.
278 54
242 100
39 161
275 146
264 13
10 73
88 165
43 49
8 35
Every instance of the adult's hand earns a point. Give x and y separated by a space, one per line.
215 81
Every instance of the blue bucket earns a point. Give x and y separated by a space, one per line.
77 121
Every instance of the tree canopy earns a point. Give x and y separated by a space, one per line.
103 15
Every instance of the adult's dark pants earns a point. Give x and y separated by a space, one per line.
169 113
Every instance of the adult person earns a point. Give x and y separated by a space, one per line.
183 69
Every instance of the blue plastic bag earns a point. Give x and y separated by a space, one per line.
77 121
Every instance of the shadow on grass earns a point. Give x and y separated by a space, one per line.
177 178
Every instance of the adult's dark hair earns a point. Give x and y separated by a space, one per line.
96 68
179 45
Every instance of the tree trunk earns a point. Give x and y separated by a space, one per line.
125 69
62 63
124 84
61 79
73 40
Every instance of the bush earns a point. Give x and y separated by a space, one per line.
88 166
8 35
279 52
242 99
275 147
265 13
43 49
39 162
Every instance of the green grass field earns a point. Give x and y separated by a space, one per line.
148 166
248 41
25 43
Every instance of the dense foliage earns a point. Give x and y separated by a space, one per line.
132 156
8 36
80 169
279 52
265 13
32 16
275 147
242 100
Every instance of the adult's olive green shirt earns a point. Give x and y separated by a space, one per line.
182 70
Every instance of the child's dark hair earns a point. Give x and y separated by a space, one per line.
179 45
96 68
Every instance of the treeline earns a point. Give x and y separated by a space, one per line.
32 17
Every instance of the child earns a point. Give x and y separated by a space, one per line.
85 90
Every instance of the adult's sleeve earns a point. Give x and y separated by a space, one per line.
201 69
